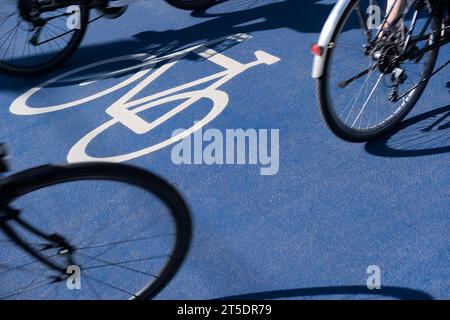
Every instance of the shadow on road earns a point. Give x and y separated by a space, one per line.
425 134
384 292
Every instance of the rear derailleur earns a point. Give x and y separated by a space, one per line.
398 76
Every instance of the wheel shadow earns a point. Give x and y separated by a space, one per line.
385 292
422 135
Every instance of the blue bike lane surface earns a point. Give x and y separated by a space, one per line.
332 210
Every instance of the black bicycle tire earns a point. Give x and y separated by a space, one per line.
327 112
19 184
60 58
191 5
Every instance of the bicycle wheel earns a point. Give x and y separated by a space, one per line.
359 108
36 43
126 230
191 4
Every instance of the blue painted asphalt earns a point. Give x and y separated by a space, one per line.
333 209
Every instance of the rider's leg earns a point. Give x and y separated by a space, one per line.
395 7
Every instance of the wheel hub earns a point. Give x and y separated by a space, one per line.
388 60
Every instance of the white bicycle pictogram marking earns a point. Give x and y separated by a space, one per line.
127 108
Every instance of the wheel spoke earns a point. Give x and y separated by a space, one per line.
368 98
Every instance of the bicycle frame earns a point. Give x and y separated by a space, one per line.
411 41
